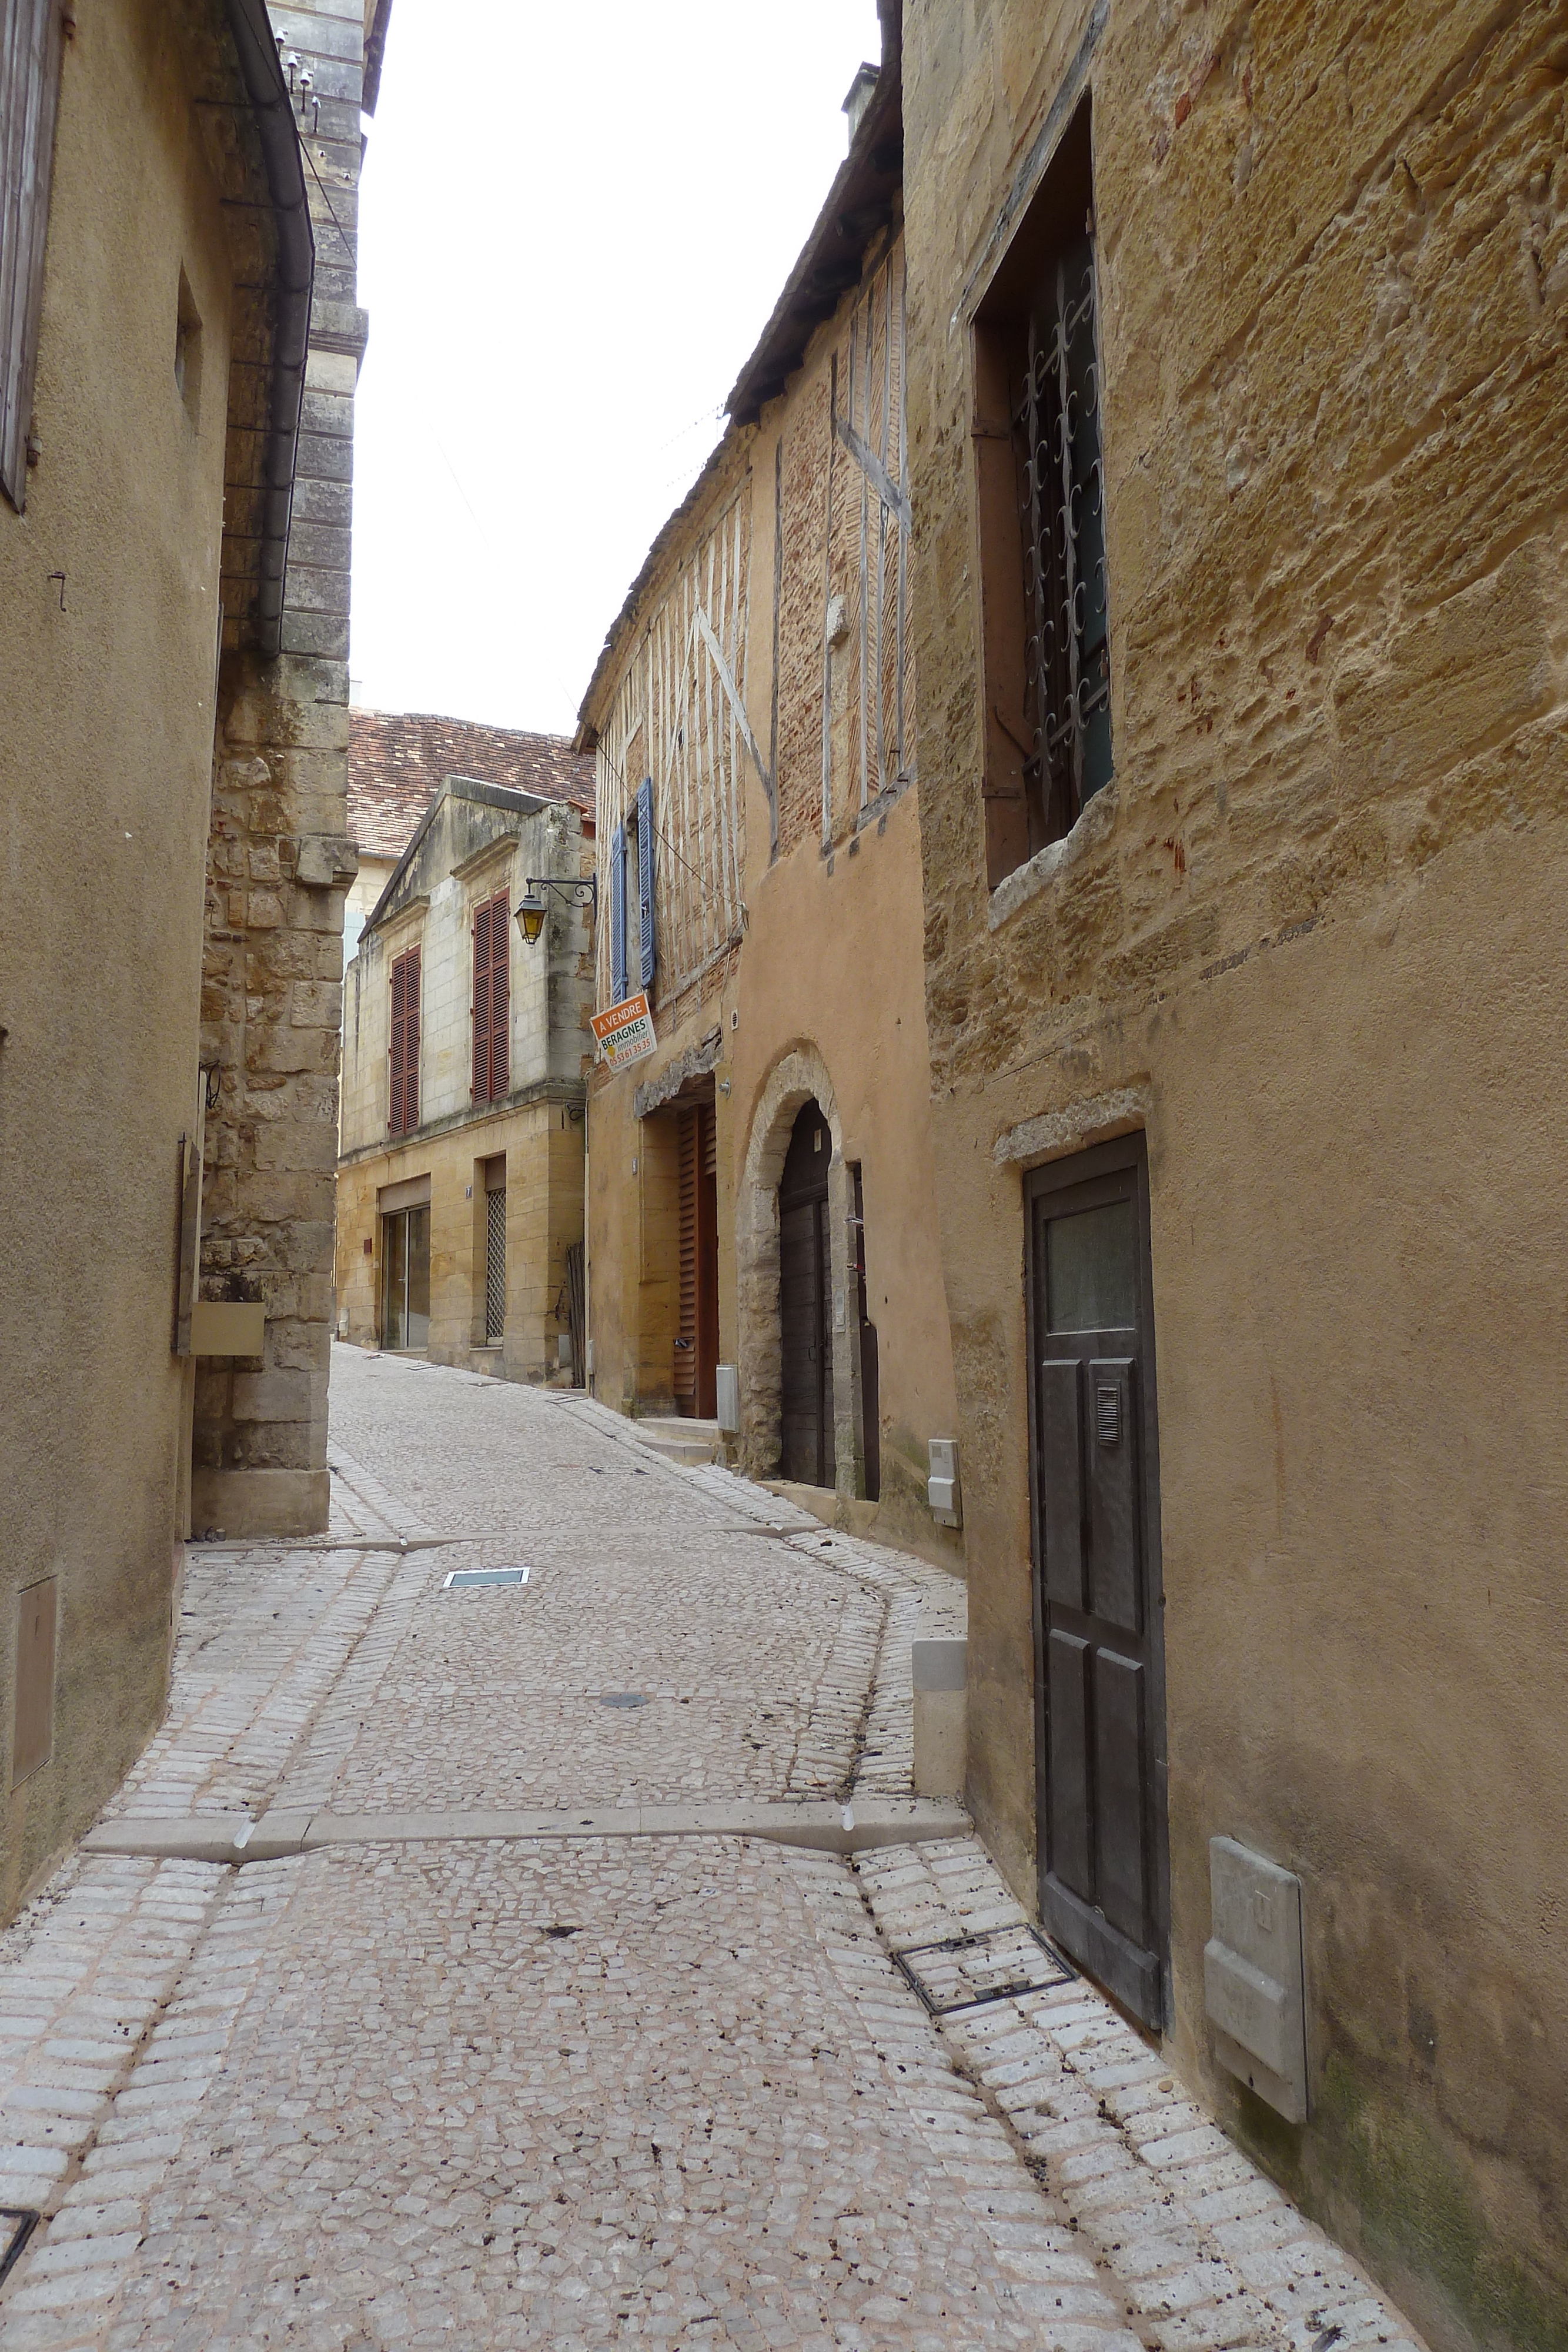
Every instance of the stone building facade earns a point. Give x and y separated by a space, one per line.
156 261
460 1187
761 1187
282 862
1238 468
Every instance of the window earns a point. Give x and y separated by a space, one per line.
491 998
403 1115
1042 484
29 91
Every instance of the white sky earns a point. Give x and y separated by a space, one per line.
574 225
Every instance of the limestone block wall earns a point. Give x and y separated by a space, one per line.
279 866
1307 938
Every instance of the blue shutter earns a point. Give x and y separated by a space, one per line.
618 915
645 873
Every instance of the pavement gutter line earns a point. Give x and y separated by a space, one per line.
816 1827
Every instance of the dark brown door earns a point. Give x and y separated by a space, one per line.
805 1303
696 1343
1100 1673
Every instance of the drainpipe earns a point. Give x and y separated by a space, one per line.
266 88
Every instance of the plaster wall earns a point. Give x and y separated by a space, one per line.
105 775
1305 938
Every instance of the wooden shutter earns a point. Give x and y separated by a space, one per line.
404 1103
500 995
491 999
645 875
618 915
686 1337
29 94
481 1086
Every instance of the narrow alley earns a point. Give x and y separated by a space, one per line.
494 1966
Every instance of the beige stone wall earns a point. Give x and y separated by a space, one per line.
824 988
1307 939
542 1142
279 865
479 840
105 772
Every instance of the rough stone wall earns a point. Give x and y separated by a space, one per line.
1304 937
278 866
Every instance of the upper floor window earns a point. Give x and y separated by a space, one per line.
403 1113
491 998
1042 481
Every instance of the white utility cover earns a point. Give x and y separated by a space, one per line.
1252 1976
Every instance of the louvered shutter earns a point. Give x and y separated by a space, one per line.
618 915
500 996
645 875
30 93
686 1337
481 1087
403 1107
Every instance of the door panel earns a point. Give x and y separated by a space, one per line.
1100 1664
1119 1776
1071 1852
797 1289
1113 1493
1062 1459
827 1449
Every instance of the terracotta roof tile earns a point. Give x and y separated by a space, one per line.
398 760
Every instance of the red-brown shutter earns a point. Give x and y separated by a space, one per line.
686 1334
481 1084
500 995
403 1114
30 35
491 999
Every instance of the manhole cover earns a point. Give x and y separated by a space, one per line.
623 1699
968 1970
18 2223
462 1579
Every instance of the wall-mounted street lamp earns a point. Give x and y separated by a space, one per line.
531 913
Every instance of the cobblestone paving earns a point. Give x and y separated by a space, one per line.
670 2091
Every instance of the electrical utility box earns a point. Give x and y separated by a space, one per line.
1252 1976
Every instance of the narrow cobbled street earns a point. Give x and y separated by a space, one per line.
476 1967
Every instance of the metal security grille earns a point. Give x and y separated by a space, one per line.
494 1264
1057 424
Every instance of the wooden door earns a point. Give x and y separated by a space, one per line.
805 1305
1100 1673
696 1338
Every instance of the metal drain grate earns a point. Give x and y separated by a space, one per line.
465 1579
19 2223
966 1971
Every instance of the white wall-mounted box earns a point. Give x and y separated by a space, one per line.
1253 1976
726 1380
942 1488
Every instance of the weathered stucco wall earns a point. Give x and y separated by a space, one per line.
1307 940
105 772
824 991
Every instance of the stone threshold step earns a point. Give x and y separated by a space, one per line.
819 1826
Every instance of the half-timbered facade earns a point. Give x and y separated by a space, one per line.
760 1193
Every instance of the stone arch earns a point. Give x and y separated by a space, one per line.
796 1077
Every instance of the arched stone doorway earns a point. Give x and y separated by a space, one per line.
799 1078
